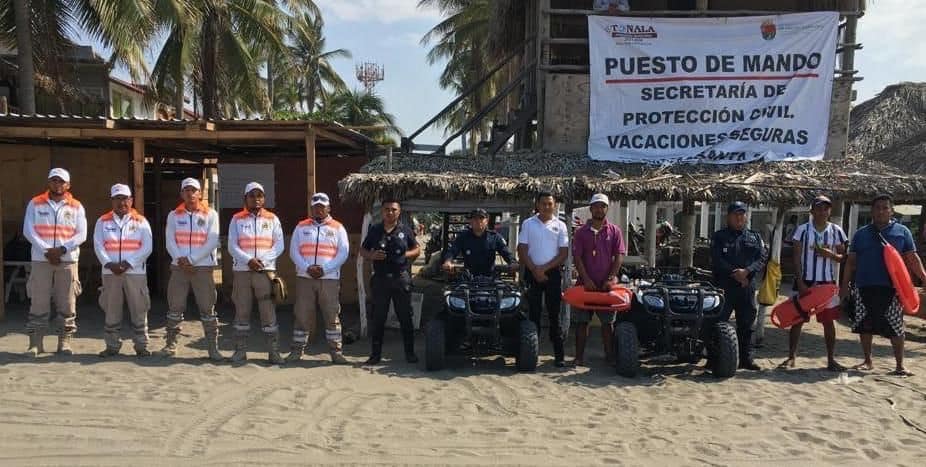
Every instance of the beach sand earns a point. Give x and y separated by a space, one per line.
84 410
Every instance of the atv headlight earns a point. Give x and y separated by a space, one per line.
654 301
509 302
456 303
710 302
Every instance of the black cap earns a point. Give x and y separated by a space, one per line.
882 197
821 199
736 206
478 212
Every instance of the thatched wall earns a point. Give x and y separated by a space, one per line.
518 176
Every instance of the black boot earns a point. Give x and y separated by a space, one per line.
376 353
559 353
410 356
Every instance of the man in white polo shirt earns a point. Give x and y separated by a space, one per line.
543 246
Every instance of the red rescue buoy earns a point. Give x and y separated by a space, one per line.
616 300
900 278
799 309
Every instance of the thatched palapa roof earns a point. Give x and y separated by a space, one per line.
575 177
891 127
896 114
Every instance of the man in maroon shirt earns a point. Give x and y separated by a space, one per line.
598 250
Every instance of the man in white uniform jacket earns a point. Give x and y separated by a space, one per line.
255 241
122 242
56 225
319 248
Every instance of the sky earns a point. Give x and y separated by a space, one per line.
388 32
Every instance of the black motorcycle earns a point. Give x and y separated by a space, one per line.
482 316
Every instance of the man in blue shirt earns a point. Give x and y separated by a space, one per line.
877 309
392 248
479 245
738 255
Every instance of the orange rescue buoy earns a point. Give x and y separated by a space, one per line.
900 278
799 309
616 300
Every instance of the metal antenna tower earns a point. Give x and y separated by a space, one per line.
369 74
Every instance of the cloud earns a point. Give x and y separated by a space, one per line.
383 11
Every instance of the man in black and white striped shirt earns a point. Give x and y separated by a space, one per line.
819 248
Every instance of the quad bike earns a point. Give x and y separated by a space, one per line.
482 316
679 314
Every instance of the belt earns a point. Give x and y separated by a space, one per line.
389 275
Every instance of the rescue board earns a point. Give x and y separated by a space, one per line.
900 278
799 309
616 300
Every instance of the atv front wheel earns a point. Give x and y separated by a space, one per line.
528 346
435 345
627 348
724 352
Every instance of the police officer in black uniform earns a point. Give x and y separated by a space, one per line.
738 255
392 247
479 247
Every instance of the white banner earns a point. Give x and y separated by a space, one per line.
711 90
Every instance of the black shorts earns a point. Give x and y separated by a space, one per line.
877 311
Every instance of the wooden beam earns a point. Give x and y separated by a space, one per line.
336 137
683 13
103 133
138 173
309 136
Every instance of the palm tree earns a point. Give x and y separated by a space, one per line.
26 88
301 75
461 39
178 19
244 33
319 78
362 108
38 29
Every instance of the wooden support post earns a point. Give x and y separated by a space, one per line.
837 212
514 222
719 221
853 220
651 233
138 173
361 276
705 217
688 234
775 255
160 248
543 33
310 164
2 281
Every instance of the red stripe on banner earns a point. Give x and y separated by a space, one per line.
711 78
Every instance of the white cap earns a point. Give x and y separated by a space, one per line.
190 182
60 173
321 198
599 198
120 190
253 186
